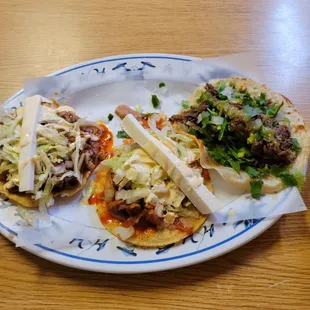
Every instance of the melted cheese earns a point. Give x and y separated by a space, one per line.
183 176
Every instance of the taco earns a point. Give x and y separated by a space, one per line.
254 137
136 199
63 150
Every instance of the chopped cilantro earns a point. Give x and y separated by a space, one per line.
248 101
242 152
251 112
267 133
253 137
155 101
262 99
192 132
256 188
265 170
235 165
221 86
294 177
222 131
185 104
299 177
273 110
288 179
251 172
110 117
122 135
205 118
161 84
212 111
205 96
295 145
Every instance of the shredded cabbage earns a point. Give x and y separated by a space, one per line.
57 141
137 176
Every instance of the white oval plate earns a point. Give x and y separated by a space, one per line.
102 85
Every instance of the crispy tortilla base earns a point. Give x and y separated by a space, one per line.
164 236
26 201
154 238
298 127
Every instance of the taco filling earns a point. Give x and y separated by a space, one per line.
67 150
245 130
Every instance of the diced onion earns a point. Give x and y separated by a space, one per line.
159 210
124 233
59 169
217 120
256 125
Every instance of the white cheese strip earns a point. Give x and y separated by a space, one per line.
182 175
28 143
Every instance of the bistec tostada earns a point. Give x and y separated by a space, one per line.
47 150
153 191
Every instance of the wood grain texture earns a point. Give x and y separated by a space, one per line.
39 37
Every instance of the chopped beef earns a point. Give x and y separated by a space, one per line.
132 209
92 155
282 133
269 122
133 213
184 117
257 148
69 116
152 218
122 211
191 115
113 207
14 189
239 125
3 176
92 148
261 116
70 182
93 130
211 89
278 152
195 164
67 183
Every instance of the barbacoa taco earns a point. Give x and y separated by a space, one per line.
136 199
254 137
47 150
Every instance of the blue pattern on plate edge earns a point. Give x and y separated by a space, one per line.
101 244
131 251
127 251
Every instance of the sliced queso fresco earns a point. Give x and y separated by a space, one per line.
178 171
28 143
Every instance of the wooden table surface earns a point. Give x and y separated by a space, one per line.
39 37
